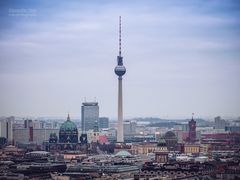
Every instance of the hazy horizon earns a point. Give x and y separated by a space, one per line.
181 57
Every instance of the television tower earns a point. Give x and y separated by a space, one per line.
120 70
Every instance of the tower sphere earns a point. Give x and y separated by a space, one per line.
120 70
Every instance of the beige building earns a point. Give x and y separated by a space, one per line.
11 150
144 148
92 136
191 148
161 156
204 148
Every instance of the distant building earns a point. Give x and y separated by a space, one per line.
68 139
145 148
103 122
22 136
27 123
220 123
89 115
161 155
185 127
6 128
233 128
191 148
33 131
112 135
93 135
129 127
48 125
222 141
192 131
38 124
236 122
68 132
171 140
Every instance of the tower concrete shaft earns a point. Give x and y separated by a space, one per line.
120 112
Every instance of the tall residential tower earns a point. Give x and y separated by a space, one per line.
120 70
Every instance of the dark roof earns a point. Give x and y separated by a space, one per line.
169 134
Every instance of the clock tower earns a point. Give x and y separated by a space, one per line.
192 130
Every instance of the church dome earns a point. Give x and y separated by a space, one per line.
171 140
68 126
169 135
68 132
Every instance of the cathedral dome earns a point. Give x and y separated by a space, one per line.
68 126
170 135
68 132
171 140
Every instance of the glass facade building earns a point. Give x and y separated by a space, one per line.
89 115
103 122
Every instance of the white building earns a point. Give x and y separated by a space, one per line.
129 127
220 123
6 128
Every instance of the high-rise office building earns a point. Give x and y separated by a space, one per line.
120 70
103 122
89 115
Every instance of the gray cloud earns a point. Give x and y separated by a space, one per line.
179 60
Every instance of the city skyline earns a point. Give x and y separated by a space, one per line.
182 57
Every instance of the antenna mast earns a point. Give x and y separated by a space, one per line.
120 51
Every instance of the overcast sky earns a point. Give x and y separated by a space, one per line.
181 57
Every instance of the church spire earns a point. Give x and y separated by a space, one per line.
68 118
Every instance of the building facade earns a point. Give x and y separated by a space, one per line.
67 139
145 148
89 115
22 136
6 128
171 140
161 155
191 148
129 127
192 131
219 123
103 122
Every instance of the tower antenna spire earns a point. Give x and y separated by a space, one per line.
120 38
